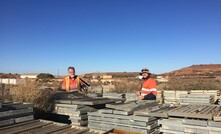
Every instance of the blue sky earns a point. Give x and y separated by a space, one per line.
108 35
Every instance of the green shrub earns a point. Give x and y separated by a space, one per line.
45 76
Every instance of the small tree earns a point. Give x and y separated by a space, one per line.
45 76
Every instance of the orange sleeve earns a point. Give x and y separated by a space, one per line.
63 84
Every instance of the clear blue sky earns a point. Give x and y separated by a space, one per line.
108 35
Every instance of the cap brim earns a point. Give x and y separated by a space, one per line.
144 72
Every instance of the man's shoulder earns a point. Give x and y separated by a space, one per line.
64 78
76 76
151 79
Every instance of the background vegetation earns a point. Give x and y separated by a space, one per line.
45 76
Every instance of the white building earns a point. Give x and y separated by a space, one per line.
12 81
30 76
106 76
162 79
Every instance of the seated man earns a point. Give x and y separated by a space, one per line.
72 82
148 91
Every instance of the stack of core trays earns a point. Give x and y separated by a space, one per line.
190 126
11 113
77 113
196 98
107 119
120 116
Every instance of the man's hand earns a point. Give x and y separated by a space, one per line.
138 93
85 89
140 97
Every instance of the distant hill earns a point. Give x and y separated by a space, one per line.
197 70
114 74
3 75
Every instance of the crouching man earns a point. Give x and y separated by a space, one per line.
148 90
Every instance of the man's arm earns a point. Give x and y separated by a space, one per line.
138 93
63 85
83 85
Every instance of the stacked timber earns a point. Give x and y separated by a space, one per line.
120 116
160 96
178 95
11 113
172 96
215 93
190 126
169 97
196 98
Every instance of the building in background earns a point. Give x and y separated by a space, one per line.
162 79
12 81
106 76
29 76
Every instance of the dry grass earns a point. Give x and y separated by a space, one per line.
44 101
23 93
194 84
41 98
126 86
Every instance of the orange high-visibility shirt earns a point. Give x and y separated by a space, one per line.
73 84
149 86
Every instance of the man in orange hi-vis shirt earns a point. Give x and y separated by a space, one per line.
148 91
72 82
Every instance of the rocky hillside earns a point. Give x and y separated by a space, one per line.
197 70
